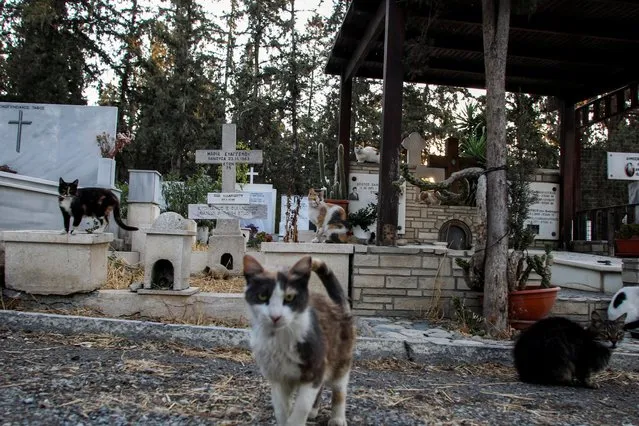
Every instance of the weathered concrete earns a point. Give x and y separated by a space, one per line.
48 262
434 351
126 304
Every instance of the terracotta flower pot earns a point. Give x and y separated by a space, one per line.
627 247
530 305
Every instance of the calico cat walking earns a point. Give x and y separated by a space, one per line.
95 202
300 340
556 350
626 301
329 219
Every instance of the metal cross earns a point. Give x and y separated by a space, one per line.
20 123
251 174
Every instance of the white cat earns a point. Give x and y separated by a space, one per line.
366 154
625 301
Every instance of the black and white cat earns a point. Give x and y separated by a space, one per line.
300 340
95 202
559 351
625 301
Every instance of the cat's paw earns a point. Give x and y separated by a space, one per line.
315 240
337 421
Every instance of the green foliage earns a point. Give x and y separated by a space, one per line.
627 231
337 189
124 197
364 217
178 195
469 321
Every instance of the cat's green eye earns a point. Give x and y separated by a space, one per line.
289 297
262 297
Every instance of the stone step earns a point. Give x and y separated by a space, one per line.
578 304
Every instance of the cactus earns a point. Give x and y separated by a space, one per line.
338 188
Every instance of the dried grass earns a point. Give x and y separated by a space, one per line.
120 274
199 246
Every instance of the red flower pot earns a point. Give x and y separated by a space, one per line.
530 305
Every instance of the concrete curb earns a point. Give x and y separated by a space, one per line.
453 352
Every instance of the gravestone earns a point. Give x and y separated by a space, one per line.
367 185
43 142
229 245
47 141
260 193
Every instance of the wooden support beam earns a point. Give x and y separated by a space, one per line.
569 166
374 29
344 126
388 194
601 108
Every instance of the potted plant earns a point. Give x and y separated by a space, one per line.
360 220
627 240
336 191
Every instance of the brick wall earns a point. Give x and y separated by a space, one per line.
407 281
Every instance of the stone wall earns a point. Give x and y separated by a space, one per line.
407 281
599 247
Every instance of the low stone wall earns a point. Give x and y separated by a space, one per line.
407 281
600 247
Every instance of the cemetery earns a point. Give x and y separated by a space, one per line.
443 239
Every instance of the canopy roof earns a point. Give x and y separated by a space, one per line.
573 49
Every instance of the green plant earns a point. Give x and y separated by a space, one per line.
627 231
469 321
363 217
124 196
474 146
336 189
178 195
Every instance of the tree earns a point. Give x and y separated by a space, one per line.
496 25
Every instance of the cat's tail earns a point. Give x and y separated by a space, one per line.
331 284
118 219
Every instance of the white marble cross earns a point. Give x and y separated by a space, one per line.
251 174
228 156
414 144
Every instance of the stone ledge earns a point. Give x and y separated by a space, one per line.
55 237
431 352
328 248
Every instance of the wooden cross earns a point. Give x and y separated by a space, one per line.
20 122
451 161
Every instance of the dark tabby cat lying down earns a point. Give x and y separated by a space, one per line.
96 202
300 340
556 350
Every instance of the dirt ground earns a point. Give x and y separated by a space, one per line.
100 380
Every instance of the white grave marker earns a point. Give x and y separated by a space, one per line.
227 217
367 185
543 215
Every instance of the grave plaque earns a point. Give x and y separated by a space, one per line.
543 215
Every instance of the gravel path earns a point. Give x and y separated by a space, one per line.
100 380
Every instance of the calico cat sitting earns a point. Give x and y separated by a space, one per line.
556 350
366 154
329 219
95 202
626 301
300 340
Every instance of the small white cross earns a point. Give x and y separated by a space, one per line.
251 174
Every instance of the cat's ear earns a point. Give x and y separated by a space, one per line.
302 267
622 319
75 182
595 318
62 182
251 266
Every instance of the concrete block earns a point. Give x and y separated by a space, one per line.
401 282
47 262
